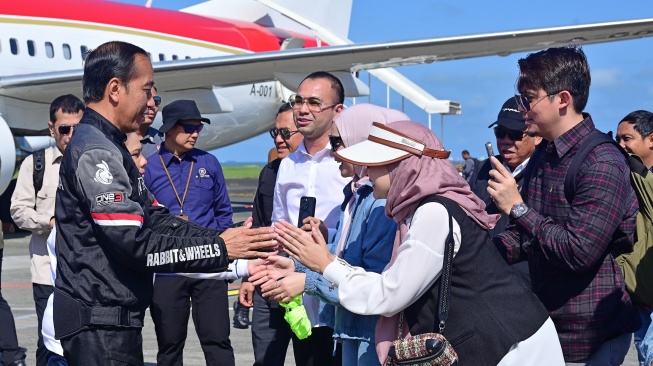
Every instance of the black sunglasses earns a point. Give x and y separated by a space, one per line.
189 128
284 131
157 100
525 102
514 135
64 129
336 142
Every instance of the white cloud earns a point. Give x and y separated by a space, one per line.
607 77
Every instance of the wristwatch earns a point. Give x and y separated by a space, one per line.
518 210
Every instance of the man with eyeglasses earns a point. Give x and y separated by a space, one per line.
570 242
270 331
515 148
190 183
312 171
150 137
32 207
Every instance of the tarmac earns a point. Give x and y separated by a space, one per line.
17 290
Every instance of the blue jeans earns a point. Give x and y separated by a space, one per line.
358 352
644 338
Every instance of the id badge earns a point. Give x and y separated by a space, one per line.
183 217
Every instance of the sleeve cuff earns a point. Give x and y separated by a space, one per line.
240 267
310 286
337 271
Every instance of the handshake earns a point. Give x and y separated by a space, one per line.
245 242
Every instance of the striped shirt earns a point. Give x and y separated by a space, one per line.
570 247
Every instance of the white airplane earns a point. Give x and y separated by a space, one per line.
238 67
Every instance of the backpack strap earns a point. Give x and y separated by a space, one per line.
595 139
39 169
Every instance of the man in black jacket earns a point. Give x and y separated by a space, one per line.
515 148
111 234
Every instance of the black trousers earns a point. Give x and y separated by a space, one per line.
317 349
104 346
41 294
271 335
170 308
8 340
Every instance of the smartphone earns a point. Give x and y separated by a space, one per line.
306 209
489 149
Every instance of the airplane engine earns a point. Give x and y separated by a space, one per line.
7 155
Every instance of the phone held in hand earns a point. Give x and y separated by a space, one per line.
489 149
306 209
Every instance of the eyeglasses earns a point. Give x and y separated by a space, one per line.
524 102
315 104
157 100
284 131
190 129
64 129
514 135
336 142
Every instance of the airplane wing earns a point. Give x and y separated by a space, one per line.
256 67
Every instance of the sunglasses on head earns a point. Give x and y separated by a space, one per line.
336 142
64 129
514 135
157 100
283 131
189 128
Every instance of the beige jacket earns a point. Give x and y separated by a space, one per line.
33 212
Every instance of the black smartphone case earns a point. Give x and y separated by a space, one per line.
306 209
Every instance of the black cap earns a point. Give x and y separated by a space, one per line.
510 116
180 110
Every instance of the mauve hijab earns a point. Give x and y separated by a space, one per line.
354 124
412 180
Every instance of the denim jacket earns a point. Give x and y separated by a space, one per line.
368 245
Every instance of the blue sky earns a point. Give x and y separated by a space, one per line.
622 72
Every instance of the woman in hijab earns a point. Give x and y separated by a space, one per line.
493 318
364 238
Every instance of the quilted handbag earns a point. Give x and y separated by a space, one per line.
429 348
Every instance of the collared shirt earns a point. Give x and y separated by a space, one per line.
151 142
301 174
570 248
519 168
33 212
207 202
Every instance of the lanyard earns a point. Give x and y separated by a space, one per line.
180 200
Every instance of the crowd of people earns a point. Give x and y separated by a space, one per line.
125 217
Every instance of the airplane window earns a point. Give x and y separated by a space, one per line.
66 51
149 55
49 50
83 49
13 44
187 57
162 57
174 57
30 48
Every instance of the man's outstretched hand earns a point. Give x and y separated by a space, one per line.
246 243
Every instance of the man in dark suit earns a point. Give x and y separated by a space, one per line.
515 148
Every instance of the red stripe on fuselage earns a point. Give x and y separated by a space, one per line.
117 216
244 35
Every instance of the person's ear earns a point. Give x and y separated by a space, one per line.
51 128
537 139
566 99
113 90
649 141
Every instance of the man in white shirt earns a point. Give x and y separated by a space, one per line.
32 207
312 171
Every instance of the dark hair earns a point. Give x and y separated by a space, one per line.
285 107
555 70
336 84
68 103
641 120
465 152
110 60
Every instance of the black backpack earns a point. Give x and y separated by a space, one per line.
636 266
39 170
